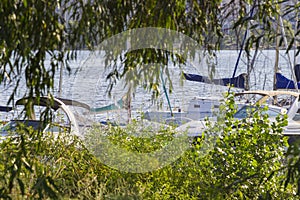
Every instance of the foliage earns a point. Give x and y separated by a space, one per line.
293 164
247 156
138 148
34 32
40 166
246 161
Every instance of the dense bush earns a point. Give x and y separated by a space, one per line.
244 161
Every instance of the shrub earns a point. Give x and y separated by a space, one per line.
245 160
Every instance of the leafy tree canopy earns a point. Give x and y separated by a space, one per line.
32 31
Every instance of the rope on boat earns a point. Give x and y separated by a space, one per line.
166 93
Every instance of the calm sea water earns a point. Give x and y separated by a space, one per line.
87 82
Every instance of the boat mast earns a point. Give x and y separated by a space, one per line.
296 27
166 93
60 81
241 50
288 54
128 105
63 20
276 57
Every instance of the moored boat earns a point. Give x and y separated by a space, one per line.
62 117
278 102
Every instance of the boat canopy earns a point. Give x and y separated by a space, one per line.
54 103
121 104
283 82
238 82
5 108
